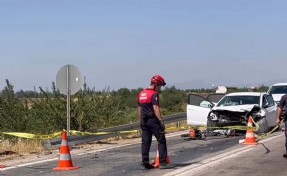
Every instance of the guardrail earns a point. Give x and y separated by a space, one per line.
76 140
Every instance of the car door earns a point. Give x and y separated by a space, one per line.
269 107
199 107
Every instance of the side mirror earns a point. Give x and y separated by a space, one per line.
211 105
206 104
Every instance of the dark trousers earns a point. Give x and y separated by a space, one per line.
151 127
285 122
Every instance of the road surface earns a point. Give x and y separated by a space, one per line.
217 155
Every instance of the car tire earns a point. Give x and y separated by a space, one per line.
263 126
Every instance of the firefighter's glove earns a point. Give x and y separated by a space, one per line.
162 125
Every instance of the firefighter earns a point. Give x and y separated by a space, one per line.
282 111
151 121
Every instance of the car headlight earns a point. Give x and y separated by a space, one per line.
257 116
212 116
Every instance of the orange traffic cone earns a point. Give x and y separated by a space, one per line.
65 162
250 136
156 162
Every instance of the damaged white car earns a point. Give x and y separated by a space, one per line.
232 109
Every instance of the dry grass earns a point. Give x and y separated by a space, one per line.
177 126
21 146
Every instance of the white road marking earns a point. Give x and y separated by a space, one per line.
28 164
195 168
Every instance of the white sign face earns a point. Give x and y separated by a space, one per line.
69 80
221 89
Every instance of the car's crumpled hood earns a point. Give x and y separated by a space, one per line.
237 108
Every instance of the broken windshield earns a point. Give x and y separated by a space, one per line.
239 100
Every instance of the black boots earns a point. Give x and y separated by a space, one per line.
147 166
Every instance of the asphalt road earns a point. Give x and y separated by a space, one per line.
214 156
264 159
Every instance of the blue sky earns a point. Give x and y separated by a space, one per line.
122 43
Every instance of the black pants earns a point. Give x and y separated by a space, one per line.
151 127
285 122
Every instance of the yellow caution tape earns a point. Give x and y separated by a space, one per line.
262 136
32 136
56 134
229 127
175 128
74 132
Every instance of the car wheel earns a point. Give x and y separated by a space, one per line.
263 126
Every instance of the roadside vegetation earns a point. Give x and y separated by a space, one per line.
44 112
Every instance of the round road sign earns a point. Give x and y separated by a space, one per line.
69 80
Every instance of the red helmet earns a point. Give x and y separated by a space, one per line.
158 80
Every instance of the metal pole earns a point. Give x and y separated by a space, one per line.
68 101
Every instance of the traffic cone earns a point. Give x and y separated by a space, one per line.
156 162
250 136
65 162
